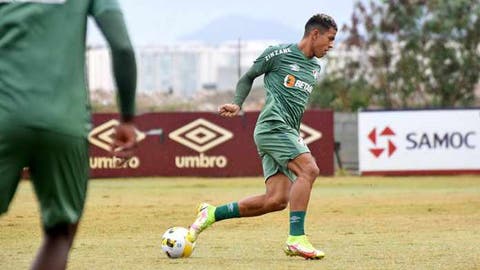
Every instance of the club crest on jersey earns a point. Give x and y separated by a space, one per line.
291 81
316 74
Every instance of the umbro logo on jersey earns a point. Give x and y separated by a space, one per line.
294 67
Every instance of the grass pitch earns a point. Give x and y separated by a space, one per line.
360 222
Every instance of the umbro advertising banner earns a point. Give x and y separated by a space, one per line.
419 142
200 144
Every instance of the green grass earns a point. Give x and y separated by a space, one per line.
360 222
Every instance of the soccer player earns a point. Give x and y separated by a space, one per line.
289 169
44 108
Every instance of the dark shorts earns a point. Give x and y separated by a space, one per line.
277 144
58 167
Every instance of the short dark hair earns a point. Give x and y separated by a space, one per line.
322 22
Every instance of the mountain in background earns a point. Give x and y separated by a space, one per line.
237 26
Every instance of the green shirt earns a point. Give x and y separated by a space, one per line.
42 63
289 79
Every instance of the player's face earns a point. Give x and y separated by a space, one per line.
322 42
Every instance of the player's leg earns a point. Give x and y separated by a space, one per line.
59 173
14 148
56 245
275 148
271 145
275 199
306 170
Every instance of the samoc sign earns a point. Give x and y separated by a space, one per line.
414 142
199 144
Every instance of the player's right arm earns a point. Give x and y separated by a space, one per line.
109 19
264 64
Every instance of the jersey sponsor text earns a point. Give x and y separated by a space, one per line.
290 81
277 52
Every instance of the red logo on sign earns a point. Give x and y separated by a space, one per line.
373 136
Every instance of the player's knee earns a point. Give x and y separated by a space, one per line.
62 230
311 172
277 203
315 172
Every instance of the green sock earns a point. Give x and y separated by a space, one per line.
226 211
297 220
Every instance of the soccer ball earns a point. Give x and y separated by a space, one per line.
175 243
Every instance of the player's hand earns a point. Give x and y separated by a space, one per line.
229 110
124 142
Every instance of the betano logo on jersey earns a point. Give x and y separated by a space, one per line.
200 136
101 137
291 81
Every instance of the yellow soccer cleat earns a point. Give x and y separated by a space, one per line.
205 218
300 246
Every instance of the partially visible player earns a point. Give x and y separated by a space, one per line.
45 111
291 71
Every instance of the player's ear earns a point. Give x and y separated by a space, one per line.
315 33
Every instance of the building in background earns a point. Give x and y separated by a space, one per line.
181 69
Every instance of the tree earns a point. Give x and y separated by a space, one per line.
407 53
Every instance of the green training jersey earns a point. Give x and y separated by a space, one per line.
42 63
289 79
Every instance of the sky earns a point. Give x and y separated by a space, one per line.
152 22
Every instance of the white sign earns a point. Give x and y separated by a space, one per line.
419 141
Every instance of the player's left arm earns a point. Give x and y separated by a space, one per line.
112 25
263 64
243 88
244 85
